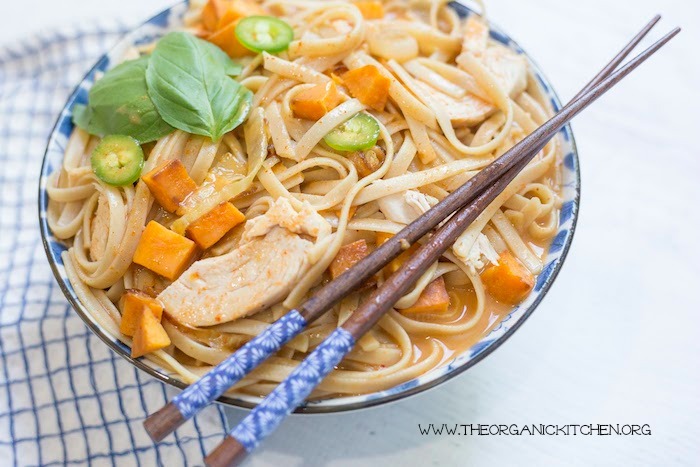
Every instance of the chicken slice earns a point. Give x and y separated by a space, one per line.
476 35
405 207
261 272
463 111
509 68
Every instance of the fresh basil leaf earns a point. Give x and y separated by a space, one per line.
118 103
231 68
189 84
81 116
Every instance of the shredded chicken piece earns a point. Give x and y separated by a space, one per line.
407 206
465 110
509 68
481 254
305 221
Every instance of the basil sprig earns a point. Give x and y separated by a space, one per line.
119 104
185 84
189 84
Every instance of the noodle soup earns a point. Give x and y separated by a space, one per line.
370 114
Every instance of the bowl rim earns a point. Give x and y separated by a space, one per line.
367 400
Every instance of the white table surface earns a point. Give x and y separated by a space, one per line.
616 340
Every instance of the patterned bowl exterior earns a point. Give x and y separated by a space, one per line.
171 19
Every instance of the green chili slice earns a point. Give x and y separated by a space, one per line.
357 134
264 34
117 160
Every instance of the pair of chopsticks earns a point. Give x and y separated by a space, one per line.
466 203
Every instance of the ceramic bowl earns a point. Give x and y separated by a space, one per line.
172 19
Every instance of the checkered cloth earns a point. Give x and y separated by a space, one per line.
65 397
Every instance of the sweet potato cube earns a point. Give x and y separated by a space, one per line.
397 262
317 101
434 299
164 252
149 336
133 304
170 184
508 282
239 9
223 34
225 39
370 9
347 256
368 85
212 12
211 227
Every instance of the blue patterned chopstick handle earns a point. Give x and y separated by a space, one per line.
213 384
291 392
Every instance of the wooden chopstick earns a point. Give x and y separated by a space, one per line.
265 418
212 385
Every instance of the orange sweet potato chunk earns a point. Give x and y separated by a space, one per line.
134 303
212 13
217 14
508 282
222 21
347 256
170 184
317 101
370 9
149 336
164 252
434 299
369 86
239 9
211 227
397 262
225 38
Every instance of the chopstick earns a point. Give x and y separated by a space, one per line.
213 384
291 392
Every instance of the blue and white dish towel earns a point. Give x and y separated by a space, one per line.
65 397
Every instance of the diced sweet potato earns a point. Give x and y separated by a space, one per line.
509 282
133 304
397 262
212 13
239 9
164 252
170 184
317 101
370 9
369 86
223 33
434 299
149 336
211 227
218 14
227 41
347 256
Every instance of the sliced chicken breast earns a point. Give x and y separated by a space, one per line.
466 110
509 68
273 256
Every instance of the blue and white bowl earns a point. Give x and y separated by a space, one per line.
172 19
